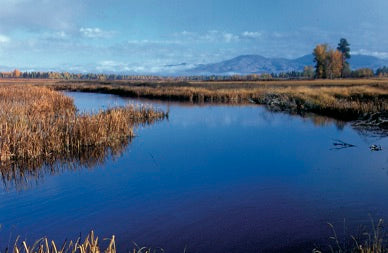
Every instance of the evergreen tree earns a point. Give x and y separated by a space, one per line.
343 47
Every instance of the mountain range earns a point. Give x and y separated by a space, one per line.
243 64
256 64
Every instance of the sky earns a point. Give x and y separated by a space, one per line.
157 36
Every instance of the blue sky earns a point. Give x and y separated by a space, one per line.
144 36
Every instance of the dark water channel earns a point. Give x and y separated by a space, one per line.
212 179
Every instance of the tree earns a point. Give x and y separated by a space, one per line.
16 73
382 72
363 73
320 54
308 72
343 47
334 65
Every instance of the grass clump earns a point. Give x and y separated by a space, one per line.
89 245
40 123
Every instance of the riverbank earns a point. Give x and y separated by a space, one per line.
364 101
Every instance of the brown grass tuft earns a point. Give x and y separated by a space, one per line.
39 123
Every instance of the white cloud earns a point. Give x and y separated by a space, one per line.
251 35
209 36
60 34
378 54
4 39
229 37
155 66
218 36
95 32
144 42
186 33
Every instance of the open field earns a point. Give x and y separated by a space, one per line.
347 99
37 123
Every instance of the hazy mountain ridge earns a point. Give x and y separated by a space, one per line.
243 64
256 64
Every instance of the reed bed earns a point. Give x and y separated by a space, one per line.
342 99
38 123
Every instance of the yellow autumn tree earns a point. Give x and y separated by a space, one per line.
334 66
16 73
320 54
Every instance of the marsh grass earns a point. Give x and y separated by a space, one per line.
91 244
372 240
341 99
40 126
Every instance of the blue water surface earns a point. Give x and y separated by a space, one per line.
210 178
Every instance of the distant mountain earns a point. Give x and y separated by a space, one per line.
256 64
248 64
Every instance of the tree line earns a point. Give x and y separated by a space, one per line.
329 63
307 73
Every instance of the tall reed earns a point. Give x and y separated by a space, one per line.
39 123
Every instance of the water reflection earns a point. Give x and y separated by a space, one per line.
23 174
224 178
89 102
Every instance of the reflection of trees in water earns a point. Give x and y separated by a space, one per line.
22 174
366 131
319 120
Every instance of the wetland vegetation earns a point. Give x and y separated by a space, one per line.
362 100
368 241
90 156
40 127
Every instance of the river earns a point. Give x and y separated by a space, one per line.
215 178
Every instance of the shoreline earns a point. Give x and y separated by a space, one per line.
361 102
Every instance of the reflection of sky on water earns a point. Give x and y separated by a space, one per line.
225 178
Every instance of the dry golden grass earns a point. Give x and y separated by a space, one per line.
89 245
374 242
38 123
342 99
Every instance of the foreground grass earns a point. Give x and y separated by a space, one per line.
37 123
374 242
89 245
341 99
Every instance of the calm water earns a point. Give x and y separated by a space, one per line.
212 179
